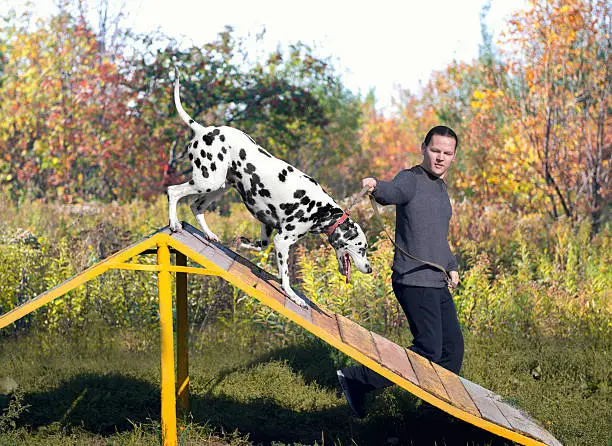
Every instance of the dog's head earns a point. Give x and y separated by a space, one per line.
348 238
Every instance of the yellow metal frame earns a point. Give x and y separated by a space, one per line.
178 390
164 268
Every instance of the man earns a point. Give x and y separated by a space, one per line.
423 213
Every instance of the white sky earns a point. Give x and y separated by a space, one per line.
381 44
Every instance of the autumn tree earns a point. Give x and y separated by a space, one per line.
68 129
559 55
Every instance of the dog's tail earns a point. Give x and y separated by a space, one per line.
179 108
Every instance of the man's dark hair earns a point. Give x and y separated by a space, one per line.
441 130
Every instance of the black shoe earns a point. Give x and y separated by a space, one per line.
354 395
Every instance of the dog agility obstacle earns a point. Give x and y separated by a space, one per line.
449 392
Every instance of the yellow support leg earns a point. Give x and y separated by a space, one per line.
168 399
182 345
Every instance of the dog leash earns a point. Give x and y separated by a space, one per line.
382 225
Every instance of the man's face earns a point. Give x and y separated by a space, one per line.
438 155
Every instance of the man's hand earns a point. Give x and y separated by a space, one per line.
368 182
454 277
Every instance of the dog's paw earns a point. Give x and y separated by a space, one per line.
176 226
297 300
211 236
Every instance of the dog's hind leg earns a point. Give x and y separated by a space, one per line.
257 245
175 194
200 204
282 243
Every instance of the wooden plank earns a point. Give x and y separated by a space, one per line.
428 378
244 273
486 405
523 423
270 291
457 393
204 248
358 337
326 321
304 313
394 357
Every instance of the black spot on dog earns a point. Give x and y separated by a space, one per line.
289 227
310 206
191 157
305 200
264 152
220 157
242 154
191 121
249 198
289 208
265 193
280 255
209 138
222 138
198 162
235 173
195 144
223 149
216 132
213 166
202 153
208 190
290 169
299 214
273 211
299 193
282 177
191 182
205 173
209 156
249 168
261 216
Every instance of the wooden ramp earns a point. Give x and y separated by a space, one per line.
451 393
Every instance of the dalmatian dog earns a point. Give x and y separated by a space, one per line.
281 197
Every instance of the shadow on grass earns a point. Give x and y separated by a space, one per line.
105 404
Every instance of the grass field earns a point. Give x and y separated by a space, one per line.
102 387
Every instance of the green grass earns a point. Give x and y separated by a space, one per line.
102 387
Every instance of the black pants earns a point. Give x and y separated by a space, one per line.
432 318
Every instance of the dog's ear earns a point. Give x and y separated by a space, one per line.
336 239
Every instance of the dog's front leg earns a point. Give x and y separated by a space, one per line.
281 247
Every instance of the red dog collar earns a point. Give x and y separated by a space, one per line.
341 220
